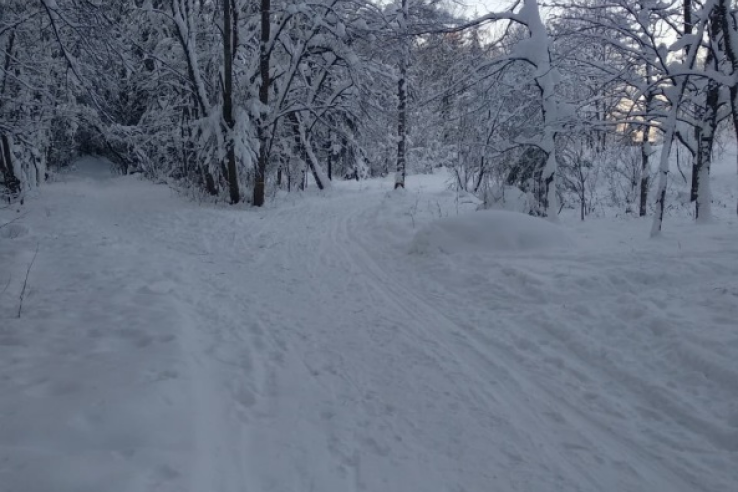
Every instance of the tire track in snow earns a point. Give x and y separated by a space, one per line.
368 383
418 316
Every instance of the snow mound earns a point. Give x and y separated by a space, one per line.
489 231
509 198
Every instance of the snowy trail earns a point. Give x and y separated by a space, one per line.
303 348
92 387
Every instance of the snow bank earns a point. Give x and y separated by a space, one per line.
509 198
489 231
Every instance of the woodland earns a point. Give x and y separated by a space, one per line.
234 100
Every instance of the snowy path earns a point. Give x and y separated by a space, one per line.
170 347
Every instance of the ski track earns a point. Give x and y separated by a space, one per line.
502 362
313 353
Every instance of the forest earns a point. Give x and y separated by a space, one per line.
234 100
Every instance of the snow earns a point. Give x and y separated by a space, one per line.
488 232
170 346
93 168
508 198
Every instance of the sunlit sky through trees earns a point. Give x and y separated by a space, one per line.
484 6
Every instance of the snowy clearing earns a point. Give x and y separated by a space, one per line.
167 346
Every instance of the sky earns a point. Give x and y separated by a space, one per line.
481 7
484 6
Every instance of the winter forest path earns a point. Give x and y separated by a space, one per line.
168 346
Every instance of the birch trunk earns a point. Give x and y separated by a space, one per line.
546 82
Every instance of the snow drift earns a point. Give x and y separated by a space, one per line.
489 231
509 198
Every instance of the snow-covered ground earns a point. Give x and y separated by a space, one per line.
348 341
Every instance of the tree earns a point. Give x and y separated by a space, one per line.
725 16
402 96
230 42
265 50
535 52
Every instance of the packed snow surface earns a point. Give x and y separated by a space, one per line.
489 231
168 346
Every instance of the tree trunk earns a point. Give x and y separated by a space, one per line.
730 38
401 130
645 171
703 202
705 133
646 152
480 176
696 158
670 129
228 53
330 162
546 81
11 181
310 159
669 125
298 150
582 207
402 103
262 133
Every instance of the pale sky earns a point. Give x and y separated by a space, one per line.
482 7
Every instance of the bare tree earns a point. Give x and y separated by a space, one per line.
403 19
